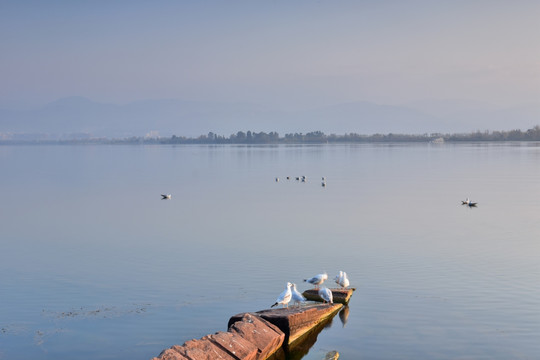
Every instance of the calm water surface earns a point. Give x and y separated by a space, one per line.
93 265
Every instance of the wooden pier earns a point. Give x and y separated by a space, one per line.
262 335
295 322
341 296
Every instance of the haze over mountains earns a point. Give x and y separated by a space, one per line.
76 117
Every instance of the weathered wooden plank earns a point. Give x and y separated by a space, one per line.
296 321
341 296
234 344
249 338
264 335
195 350
171 354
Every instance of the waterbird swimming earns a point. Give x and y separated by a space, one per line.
317 279
284 297
326 295
469 202
296 296
165 196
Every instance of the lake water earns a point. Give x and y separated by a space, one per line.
94 265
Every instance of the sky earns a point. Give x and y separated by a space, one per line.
280 53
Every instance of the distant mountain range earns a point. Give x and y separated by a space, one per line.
76 117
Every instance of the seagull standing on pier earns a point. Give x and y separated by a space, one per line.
317 280
341 279
326 295
296 296
284 297
344 280
338 277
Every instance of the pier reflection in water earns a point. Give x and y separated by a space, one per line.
302 346
344 315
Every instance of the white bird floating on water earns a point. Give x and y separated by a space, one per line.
326 295
317 280
342 280
166 196
284 297
296 296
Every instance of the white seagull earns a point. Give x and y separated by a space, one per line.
165 196
341 279
338 278
296 296
344 280
284 297
326 295
317 280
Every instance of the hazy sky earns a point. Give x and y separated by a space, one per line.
275 52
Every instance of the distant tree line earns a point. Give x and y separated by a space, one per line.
318 137
315 137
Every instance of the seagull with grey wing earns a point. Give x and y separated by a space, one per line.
317 280
284 297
